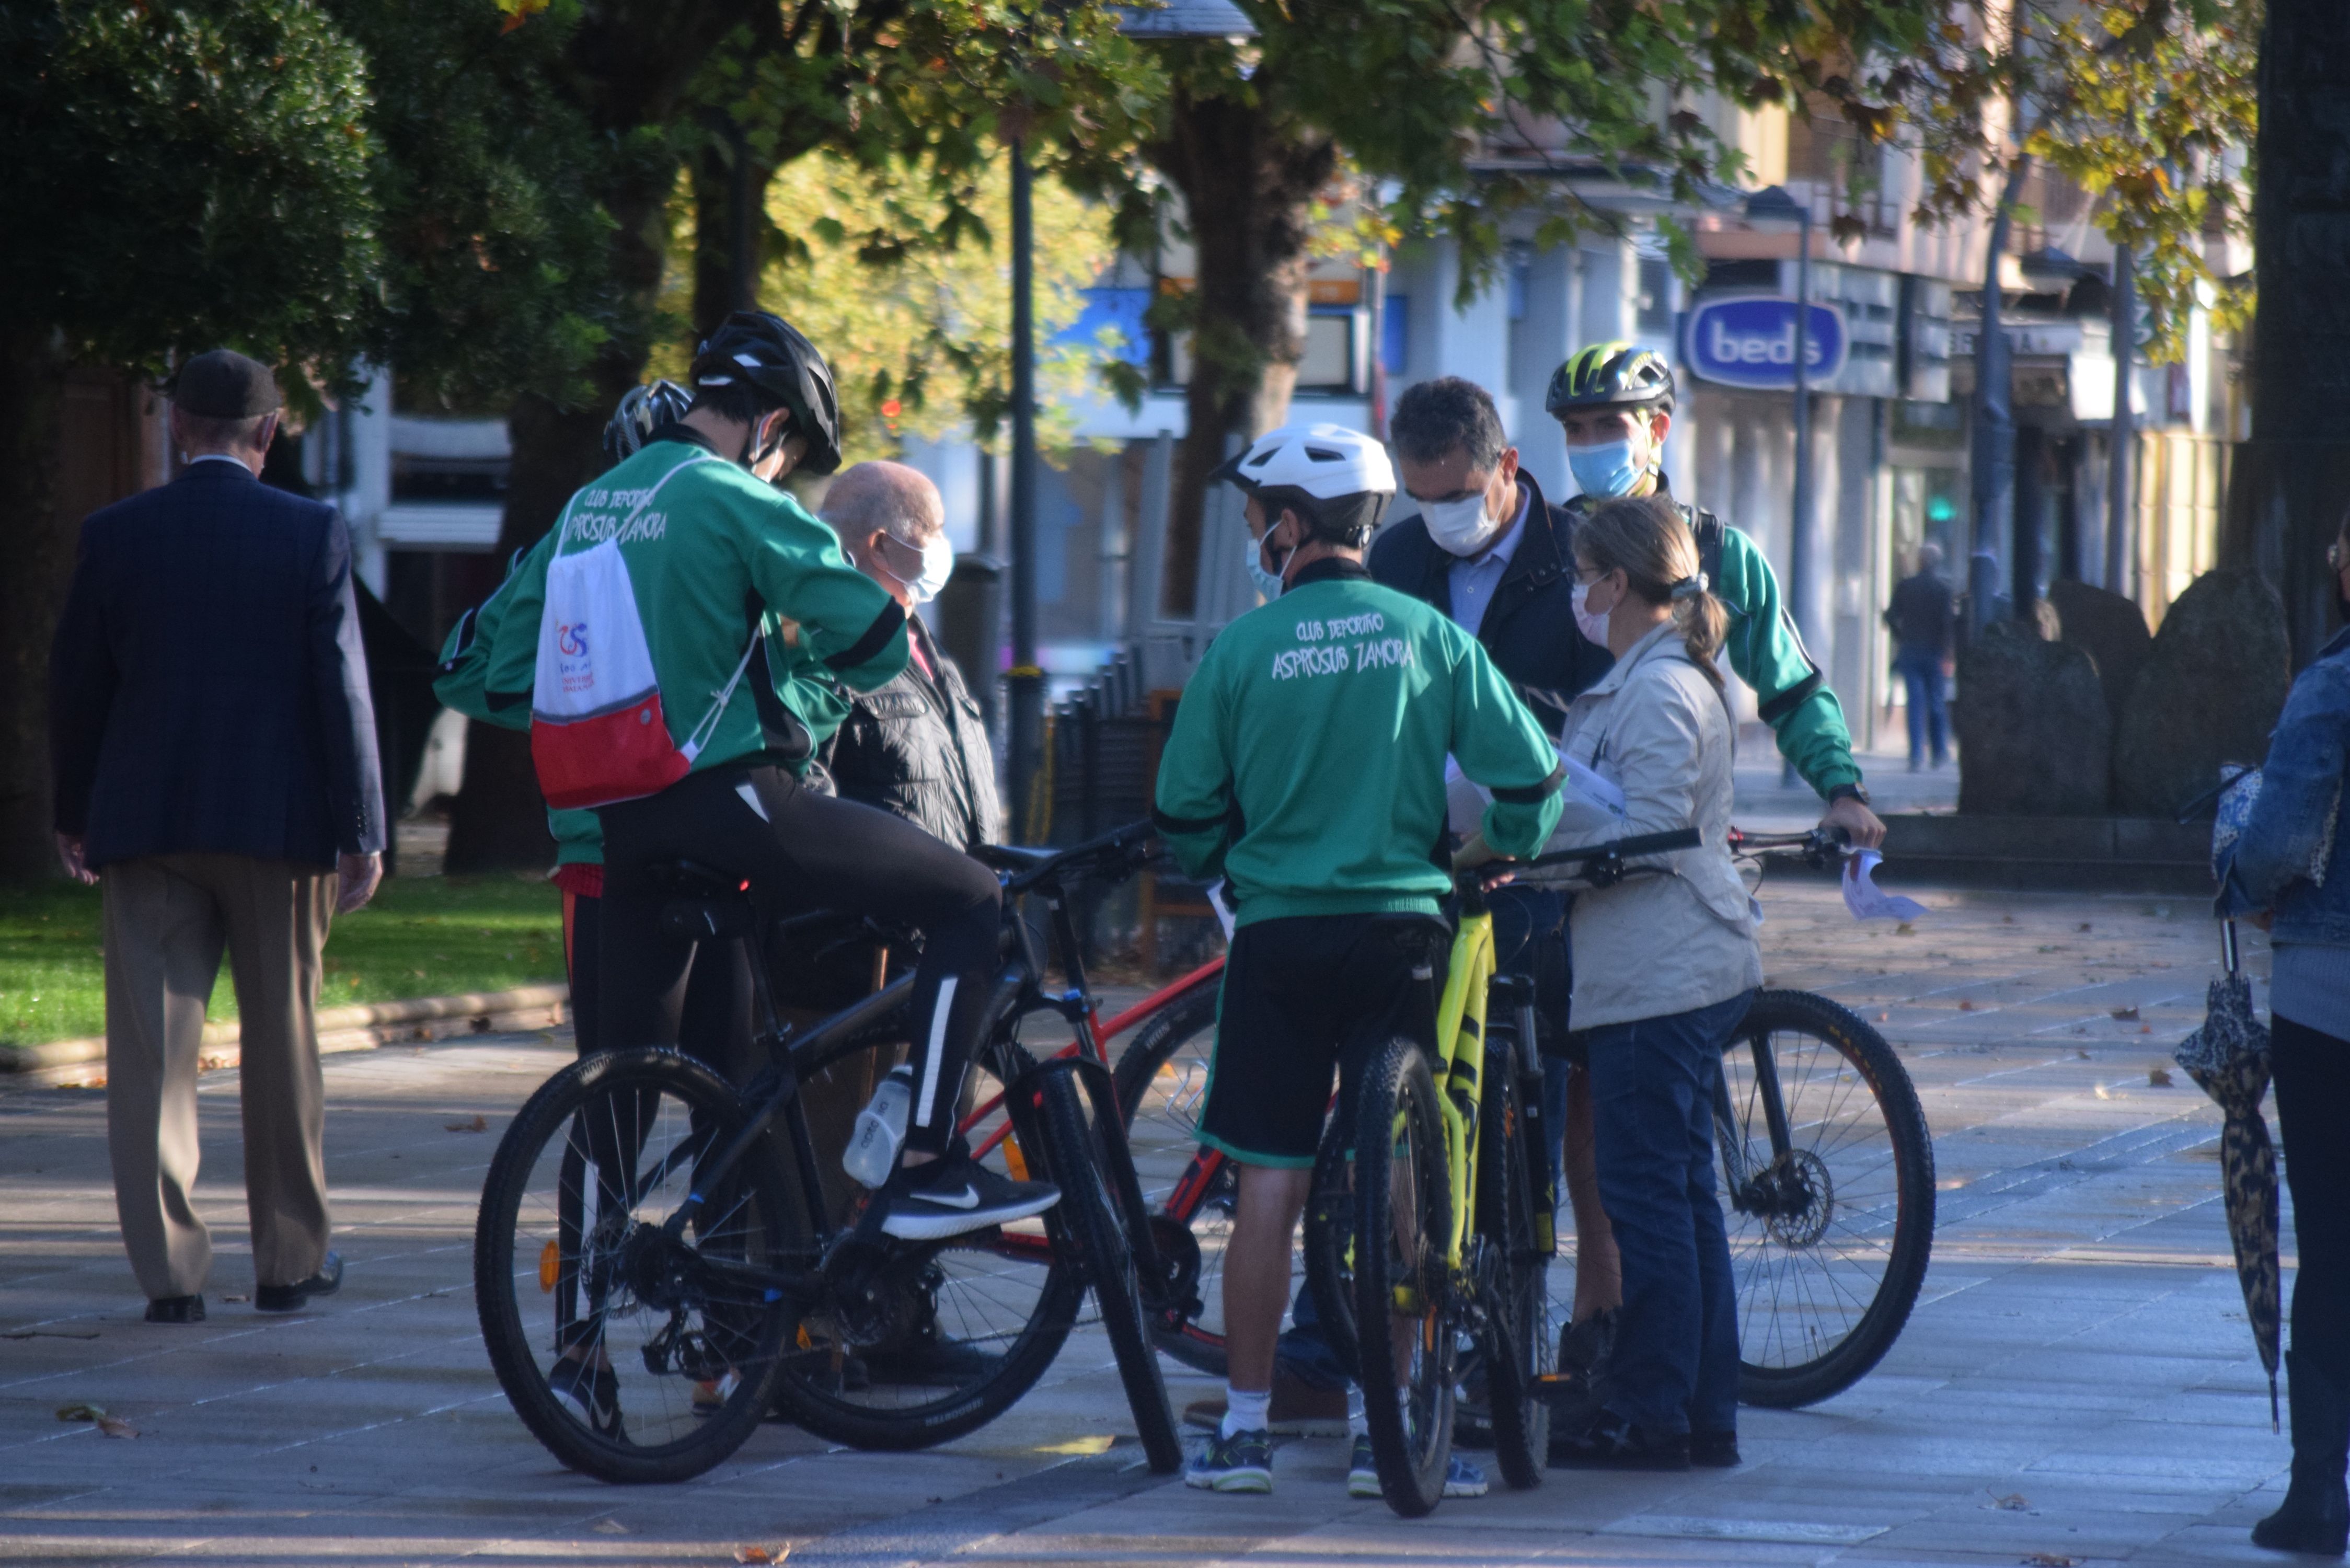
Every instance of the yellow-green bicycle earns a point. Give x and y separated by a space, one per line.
1440 1226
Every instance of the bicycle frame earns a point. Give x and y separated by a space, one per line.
1461 1064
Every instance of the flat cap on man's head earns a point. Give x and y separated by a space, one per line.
224 384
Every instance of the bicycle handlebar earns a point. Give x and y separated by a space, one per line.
1622 848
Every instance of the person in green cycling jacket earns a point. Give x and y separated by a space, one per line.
1306 768
1614 402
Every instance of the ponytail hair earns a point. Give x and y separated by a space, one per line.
1644 537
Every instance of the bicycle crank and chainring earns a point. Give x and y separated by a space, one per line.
1176 1292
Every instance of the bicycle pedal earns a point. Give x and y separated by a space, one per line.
1557 1388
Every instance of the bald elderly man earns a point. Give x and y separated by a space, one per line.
917 747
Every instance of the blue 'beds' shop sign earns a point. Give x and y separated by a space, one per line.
1750 342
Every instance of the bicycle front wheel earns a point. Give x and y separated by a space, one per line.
633 1354
1092 1218
1403 1225
1830 1222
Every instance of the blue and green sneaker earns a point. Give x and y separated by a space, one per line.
1241 1462
1462 1479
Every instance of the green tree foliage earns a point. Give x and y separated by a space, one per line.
495 277
182 175
2149 104
177 175
916 326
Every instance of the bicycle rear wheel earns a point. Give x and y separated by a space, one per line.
924 1342
633 1355
1190 1190
1829 1240
1516 1345
1092 1218
1403 1207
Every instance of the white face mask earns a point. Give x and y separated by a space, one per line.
937 565
1593 626
1269 584
1460 527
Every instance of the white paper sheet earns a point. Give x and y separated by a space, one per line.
1866 899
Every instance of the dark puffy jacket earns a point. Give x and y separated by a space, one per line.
918 748
1529 628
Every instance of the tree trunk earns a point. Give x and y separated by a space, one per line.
499 822
1248 176
729 192
36 556
2286 495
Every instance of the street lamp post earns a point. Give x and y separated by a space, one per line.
1026 681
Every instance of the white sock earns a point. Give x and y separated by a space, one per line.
1246 1411
1356 1426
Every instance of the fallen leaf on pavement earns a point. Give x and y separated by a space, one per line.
2146 1029
476 1124
1966 1007
79 1413
116 1426
2158 1077
1905 930
610 1527
762 1553
2050 1560
2084 1056
2127 1015
2014 1502
237 1298
2085 925
2100 1089
1883 1017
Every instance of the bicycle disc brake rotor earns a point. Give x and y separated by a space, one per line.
1803 1198
879 1295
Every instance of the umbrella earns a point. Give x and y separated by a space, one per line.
2229 1057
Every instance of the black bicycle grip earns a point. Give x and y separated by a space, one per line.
1625 849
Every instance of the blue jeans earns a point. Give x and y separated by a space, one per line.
1652 1083
1921 679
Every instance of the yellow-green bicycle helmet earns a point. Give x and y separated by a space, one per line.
1610 375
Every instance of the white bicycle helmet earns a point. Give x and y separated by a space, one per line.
1338 480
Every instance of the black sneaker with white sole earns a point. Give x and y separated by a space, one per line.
955 1195
591 1395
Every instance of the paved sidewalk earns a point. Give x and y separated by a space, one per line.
2076 1382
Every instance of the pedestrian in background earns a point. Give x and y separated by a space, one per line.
2294 861
215 756
1923 617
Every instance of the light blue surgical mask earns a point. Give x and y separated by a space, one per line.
1267 583
1608 469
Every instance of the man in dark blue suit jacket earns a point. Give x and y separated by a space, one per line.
215 764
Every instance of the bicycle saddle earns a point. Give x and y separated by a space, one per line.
1011 857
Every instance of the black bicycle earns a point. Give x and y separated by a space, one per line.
662 1259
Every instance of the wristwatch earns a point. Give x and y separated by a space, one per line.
1855 791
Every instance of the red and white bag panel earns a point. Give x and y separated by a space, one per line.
597 731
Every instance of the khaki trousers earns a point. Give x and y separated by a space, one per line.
167 921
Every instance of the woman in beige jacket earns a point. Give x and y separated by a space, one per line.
1664 964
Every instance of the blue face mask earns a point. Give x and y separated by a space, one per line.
1609 469
1267 583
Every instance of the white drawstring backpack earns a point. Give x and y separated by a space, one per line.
597 734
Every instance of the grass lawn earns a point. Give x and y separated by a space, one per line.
421 936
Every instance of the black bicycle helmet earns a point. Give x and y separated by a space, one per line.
1611 376
642 410
768 353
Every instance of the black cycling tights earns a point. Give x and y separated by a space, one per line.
801 851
